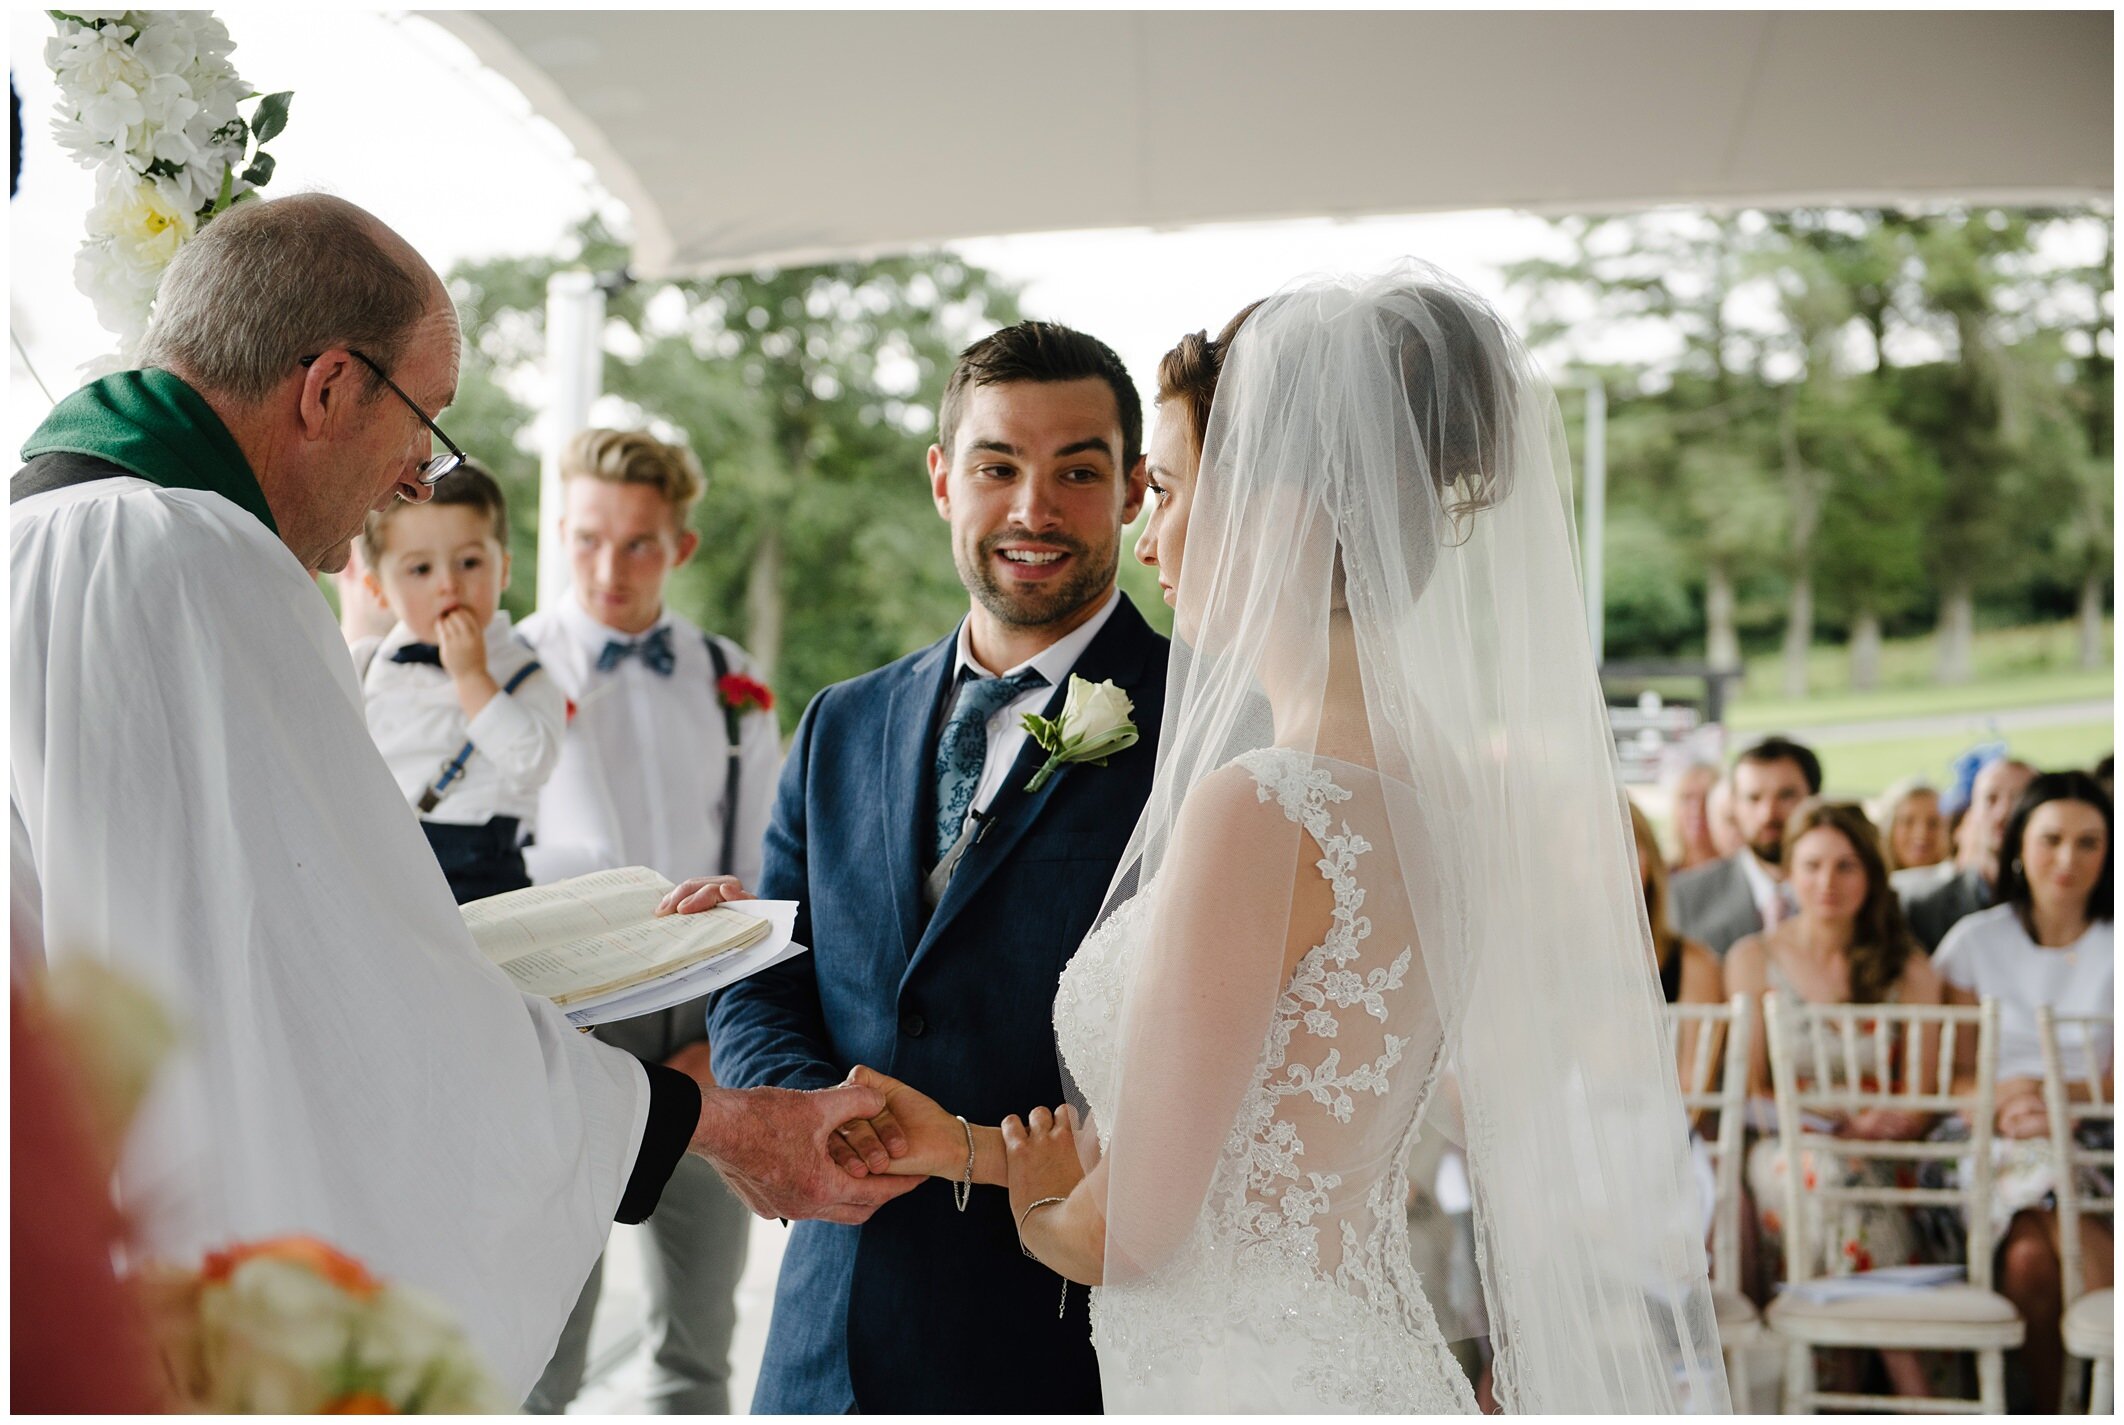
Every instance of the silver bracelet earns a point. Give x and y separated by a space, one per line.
1062 1306
962 1191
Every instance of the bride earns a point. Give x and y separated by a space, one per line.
1382 883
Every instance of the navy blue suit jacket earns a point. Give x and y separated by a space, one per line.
924 1308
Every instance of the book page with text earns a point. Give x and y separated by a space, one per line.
616 959
518 922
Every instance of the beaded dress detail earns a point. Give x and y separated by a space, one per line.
1294 1292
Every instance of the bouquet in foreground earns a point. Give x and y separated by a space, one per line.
292 1325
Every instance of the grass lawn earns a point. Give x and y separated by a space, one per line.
2014 690
1861 769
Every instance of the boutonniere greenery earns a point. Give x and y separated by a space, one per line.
1094 726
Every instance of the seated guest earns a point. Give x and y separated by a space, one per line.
1692 822
1688 973
456 702
1718 812
1845 944
2049 941
1973 887
1744 893
2105 773
1913 831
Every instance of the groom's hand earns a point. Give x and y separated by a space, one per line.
770 1145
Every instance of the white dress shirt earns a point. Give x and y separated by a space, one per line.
642 772
1006 730
419 725
1773 899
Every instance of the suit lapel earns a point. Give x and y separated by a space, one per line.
1119 653
905 794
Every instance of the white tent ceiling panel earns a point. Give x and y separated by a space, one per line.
744 137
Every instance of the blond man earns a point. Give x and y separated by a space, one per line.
669 761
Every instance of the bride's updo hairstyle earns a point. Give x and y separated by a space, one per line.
1187 375
1456 366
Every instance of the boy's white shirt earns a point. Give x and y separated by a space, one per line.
418 724
641 775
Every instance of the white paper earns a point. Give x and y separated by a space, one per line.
1882 1281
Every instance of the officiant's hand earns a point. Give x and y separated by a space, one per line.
702 893
770 1146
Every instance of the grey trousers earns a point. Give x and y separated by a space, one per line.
699 1232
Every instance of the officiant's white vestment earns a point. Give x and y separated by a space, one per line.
195 799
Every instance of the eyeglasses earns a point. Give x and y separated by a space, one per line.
435 466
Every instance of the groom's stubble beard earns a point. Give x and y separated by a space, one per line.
1035 607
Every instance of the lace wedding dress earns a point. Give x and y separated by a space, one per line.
1294 1293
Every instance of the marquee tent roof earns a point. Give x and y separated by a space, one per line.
745 137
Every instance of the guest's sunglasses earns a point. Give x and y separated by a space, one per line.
435 466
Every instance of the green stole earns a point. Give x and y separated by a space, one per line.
157 427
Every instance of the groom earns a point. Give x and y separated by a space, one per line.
942 899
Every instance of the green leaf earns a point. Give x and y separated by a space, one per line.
271 116
228 190
260 172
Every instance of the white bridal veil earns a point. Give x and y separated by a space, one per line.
1380 577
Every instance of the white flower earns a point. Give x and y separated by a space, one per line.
1094 710
1094 726
87 61
145 90
146 219
123 296
413 1351
275 1333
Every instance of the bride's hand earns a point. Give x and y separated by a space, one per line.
1040 1158
914 1136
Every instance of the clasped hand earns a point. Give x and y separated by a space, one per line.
1035 1158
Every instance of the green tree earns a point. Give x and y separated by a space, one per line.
1691 435
808 394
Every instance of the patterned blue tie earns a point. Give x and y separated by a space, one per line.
655 650
963 748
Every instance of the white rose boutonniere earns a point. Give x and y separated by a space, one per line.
1094 726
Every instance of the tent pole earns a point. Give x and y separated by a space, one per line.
1593 538
575 359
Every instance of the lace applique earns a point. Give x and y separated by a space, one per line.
1362 1335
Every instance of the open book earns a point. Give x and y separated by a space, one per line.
596 947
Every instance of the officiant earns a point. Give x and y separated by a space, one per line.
195 799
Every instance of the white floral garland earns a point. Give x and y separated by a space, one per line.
147 99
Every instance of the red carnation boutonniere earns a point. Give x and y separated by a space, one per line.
743 694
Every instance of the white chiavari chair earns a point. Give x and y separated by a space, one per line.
2074 1092
1710 1042
1857 1068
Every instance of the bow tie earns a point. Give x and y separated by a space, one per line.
417 653
654 651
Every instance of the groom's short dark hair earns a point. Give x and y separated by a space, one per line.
1041 351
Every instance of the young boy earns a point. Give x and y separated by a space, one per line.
670 762
468 723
